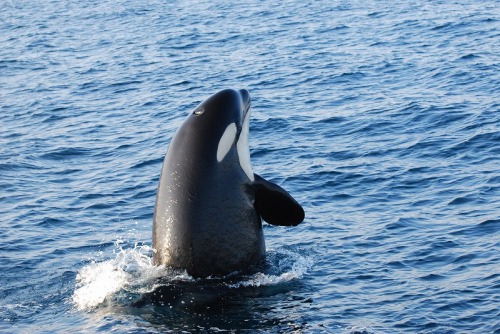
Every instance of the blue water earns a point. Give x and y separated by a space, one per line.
381 118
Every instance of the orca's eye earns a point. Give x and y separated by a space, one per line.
199 111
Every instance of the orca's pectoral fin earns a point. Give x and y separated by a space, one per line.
275 205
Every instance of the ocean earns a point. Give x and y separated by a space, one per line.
381 118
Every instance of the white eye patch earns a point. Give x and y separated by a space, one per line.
226 141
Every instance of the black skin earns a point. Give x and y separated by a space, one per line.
207 217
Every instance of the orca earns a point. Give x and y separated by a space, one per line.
210 204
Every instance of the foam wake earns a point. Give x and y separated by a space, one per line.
130 269
131 274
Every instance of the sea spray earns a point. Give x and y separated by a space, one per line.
291 266
131 268
131 272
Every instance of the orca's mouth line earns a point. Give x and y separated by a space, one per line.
247 101
246 114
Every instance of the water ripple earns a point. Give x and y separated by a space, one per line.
380 118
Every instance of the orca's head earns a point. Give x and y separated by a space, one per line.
225 117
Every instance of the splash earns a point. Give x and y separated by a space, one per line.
292 266
131 268
131 272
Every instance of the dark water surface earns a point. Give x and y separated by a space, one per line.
381 118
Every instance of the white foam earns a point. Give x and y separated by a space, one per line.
300 266
131 271
96 282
